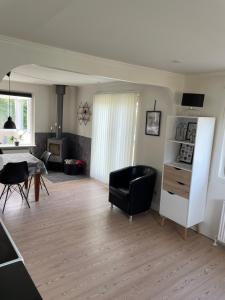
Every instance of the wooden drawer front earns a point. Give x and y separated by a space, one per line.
177 188
177 175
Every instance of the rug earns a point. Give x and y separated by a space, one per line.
55 177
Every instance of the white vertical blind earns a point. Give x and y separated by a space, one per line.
113 133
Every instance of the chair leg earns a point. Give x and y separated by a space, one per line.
28 190
6 198
3 191
43 182
20 192
130 219
23 195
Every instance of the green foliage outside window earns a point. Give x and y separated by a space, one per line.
4 111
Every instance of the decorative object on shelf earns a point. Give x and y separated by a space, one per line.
9 124
181 131
191 132
153 120
16 139
84 113
186 154
54 128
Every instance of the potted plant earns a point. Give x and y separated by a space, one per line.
16 140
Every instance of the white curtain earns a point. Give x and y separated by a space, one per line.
113 133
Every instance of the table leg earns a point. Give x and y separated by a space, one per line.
26 184
37 186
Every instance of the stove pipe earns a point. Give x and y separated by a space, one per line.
60 92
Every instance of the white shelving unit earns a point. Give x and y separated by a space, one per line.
184 186
181 142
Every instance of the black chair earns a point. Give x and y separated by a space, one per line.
131 189
45 158
12 176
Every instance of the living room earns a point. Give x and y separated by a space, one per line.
73 245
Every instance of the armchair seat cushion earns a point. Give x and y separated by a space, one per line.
131 188
119 192
124 191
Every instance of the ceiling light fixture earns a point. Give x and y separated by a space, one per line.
175 61
9 124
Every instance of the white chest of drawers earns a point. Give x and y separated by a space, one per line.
184 186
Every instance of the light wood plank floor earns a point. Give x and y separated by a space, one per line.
76 247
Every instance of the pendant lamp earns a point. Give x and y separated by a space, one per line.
9 124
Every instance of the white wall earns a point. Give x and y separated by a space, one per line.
44 105
17 52
149 149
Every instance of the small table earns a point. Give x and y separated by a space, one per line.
36 167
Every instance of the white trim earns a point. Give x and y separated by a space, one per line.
20 258
11 262
15 52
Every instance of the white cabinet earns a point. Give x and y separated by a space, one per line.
184 185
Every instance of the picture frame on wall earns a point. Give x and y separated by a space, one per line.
191 132
153 122
186 154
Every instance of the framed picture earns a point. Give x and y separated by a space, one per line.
186 153
191 132
152 125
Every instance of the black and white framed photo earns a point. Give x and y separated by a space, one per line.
153 120
191 132
186 153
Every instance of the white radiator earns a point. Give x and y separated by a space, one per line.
221 234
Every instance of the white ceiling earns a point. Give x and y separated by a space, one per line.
154 33
46 76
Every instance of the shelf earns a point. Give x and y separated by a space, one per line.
180 165
181 142
184 117
12 146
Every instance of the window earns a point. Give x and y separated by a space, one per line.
20 111
113 133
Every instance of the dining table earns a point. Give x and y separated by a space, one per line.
36 167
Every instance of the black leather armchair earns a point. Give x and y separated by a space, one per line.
131 189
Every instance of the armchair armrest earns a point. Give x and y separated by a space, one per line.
119 177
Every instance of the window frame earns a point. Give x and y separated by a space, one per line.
31 121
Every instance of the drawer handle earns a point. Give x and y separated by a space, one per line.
181 183
177 168
170 193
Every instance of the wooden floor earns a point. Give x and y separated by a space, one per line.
76 247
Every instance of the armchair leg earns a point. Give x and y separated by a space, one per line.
130 219
162 221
